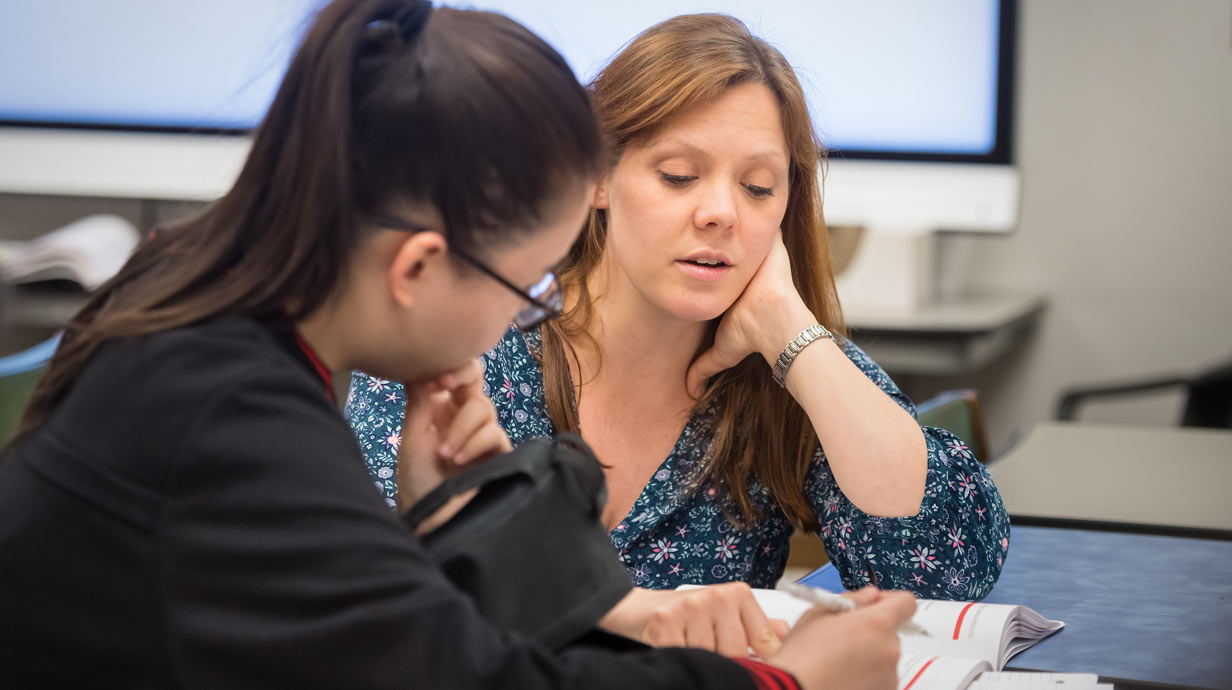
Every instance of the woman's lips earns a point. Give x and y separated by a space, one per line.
703 272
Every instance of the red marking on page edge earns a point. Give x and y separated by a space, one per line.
961 615
919 673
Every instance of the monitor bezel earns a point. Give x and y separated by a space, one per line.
1000 153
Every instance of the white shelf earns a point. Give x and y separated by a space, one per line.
132 165
946 338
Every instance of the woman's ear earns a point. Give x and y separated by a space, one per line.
599 199
416 260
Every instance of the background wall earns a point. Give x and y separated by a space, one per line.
1125 142
26 216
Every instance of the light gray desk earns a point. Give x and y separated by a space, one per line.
946 338
1166 477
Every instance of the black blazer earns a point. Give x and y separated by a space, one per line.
196 513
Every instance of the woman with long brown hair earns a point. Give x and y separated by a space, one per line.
702 351
184 505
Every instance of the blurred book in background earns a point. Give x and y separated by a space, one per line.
86 252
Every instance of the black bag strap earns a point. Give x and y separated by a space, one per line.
553 488
521 461
525 460
586 480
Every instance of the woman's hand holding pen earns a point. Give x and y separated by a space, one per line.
448 424
858 649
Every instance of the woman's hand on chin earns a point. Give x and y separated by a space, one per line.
766 316
448 424
723 618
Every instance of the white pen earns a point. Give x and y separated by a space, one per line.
837 603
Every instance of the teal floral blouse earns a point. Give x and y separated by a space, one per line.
953 549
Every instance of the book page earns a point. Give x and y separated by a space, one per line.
1026 680
775 604
919 672
960 628
87 251
991 633
1026 628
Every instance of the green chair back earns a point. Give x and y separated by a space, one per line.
15 392
19 374
958 412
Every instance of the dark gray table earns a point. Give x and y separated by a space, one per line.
1142 611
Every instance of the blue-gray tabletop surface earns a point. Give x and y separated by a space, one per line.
1145 608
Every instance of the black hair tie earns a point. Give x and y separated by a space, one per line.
411 18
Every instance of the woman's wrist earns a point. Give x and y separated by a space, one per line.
628 617
780 328
796 347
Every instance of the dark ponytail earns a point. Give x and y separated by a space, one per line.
384 101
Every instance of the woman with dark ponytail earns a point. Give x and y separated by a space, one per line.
184 506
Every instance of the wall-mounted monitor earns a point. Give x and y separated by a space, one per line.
150 98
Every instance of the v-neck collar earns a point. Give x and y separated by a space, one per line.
673 481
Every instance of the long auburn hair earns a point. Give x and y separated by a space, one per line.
384 101
674 65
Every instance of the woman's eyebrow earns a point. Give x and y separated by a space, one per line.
759 155
674 142
770 154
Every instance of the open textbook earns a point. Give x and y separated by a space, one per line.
967 644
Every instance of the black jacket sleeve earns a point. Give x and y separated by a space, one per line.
281 567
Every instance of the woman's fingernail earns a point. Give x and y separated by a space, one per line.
445 451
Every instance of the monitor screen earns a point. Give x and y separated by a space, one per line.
895 79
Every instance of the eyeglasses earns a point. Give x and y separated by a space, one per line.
544 299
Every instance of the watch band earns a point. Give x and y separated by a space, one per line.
798 343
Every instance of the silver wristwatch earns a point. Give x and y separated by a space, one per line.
793 348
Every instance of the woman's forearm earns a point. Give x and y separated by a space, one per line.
876 449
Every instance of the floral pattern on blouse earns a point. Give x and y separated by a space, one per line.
953 548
